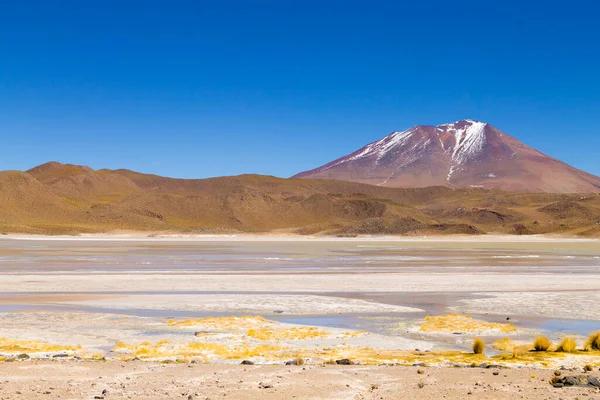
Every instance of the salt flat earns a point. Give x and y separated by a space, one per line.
50 288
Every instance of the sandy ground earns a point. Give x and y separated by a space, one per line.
114 380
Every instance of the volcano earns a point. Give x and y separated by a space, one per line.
465 153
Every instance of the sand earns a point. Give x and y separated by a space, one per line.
89 380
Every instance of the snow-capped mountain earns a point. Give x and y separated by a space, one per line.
465 153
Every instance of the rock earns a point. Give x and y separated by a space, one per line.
580 380
105 391
278 312
557 373
344 361
265 385
593 381
496 373
60 355
558 385
420 372
190 397
297 361
23 356
247 362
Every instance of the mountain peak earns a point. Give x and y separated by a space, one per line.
465 153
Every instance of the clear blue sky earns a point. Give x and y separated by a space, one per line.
223 87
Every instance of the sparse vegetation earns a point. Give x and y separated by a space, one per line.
593 342
451 323
567 345
478 346
542 343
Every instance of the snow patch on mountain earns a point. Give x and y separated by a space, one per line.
470 139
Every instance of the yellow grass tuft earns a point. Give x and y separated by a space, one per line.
505 344
296 333
478 346
593 342
567 345
451 323
542 343
32 346
221 323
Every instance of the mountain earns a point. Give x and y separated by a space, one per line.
465 153
57 198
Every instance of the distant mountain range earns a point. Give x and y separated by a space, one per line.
467 154
57 198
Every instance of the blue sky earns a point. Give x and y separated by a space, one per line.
208 88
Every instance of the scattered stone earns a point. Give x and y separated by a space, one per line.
265 385
247 362
60 355
344 361
190 397
421 385
558 385
105 391
557 373
420 371
580 380
278 312
297 361
496 373
23 356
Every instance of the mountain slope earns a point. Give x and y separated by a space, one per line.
56 198
461 154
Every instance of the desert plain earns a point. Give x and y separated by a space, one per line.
175 316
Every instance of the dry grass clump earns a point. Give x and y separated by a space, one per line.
593 342
221 323
478 346
505 344
33 346
451 323
296 333
567 345
542 343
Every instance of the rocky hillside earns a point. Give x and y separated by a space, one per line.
57 199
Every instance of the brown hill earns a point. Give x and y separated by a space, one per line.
57 198
461 154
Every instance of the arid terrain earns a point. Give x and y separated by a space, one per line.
56 198
264 317
114 380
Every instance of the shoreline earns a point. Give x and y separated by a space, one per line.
289 237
